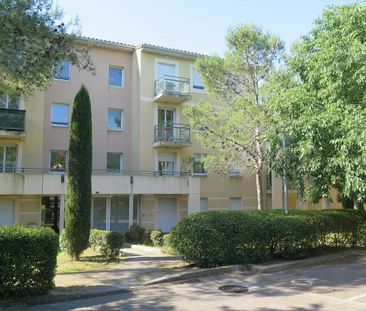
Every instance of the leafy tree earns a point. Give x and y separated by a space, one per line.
78 197
233 126
320 106
32 39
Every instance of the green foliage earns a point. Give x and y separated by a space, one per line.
135 234
64 245
232 126
167 246
238 237
78 198
320 108
108 243
27 260
32 39
156 237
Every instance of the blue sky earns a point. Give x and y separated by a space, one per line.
193 25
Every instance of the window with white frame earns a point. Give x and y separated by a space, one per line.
115 76
167 163
204 205
58 160
115 119
62 70
59 114
8 158
9 102
197 83
114 162
199 164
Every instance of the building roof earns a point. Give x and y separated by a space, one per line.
106 43
147 47
169 51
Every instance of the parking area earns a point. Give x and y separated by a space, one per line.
335 286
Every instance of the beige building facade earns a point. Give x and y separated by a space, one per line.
142 143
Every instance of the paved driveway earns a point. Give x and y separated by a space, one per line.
336 286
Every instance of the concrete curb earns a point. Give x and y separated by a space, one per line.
304 262
183 276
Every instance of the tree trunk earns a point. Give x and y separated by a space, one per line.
259 184
77 257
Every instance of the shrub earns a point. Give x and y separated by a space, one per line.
167 246
239 237
156 237
135 234
64 244
108 243
147 239
27 260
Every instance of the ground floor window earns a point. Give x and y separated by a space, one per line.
112 212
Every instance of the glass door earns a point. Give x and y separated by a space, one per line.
8 158
165 122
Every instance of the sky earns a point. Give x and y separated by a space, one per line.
193 25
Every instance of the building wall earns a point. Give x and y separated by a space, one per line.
102 97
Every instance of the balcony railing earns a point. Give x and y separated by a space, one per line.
172 134
24 170
12 120
172 89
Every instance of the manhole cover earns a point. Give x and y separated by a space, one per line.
234 289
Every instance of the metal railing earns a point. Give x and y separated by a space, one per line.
12 120
174 133
172 85
23 170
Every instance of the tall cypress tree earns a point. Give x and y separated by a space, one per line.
78 194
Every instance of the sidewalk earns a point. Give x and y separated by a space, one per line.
139 265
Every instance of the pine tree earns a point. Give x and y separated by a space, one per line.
78 195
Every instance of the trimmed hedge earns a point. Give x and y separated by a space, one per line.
239 237
109 243
27 260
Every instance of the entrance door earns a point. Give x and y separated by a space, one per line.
167 214
7 213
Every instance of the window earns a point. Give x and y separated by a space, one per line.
204 205
166 163
58 160
234 173
99 213
197 83
115 117
119 213
60 114
115 76
62 70
114 162
165 70
235 204
8 158
199 164
9 102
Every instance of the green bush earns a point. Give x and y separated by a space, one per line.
239 237
27 260
135 234
108 243
167 246
156 237
64 244
147 239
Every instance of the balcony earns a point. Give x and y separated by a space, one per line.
171 89
12 122
33 181
172 135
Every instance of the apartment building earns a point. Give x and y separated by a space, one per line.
146 165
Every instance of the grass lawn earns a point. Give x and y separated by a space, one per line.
89 260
